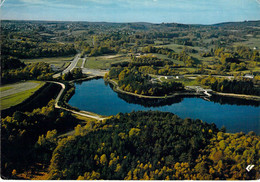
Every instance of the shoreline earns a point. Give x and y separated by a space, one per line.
85 79
240 96
232 95
117 89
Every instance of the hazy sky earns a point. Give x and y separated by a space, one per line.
155 11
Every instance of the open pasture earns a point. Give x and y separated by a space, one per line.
104 62
13 94
58 62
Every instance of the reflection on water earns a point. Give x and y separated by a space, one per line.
235 114
148 102
233 101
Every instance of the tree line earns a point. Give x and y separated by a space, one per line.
39 71
131 80
28 49
123 147
237 86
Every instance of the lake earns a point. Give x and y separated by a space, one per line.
235 114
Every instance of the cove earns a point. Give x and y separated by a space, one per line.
236 115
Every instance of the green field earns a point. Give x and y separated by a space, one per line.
60 62
251 42
178 48
104 62
5 88
14 94
185 81
66 65
161 56
79 63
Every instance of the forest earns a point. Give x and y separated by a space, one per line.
26 48
143 145
225 49
37 71
131 80
123 147
20 132
238 86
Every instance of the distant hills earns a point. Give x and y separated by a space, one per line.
244 23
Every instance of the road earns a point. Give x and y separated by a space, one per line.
193 76
73 64
221 76
75 112
70 67
83 62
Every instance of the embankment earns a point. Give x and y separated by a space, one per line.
39 99
240 96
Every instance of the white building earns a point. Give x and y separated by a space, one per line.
249 76
179 76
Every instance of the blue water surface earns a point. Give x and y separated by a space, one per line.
95 96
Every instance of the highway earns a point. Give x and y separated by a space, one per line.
70 67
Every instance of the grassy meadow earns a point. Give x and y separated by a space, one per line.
104 62
60 62
16 93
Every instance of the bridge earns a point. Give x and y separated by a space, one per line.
199 89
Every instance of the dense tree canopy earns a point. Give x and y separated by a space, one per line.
41 71
239 86
154 145
29 49
131 80
20 132
74 74
138 145
115 147
8 62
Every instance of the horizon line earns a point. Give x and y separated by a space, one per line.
130 21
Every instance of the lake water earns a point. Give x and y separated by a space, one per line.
236 115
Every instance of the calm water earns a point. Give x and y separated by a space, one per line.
97 97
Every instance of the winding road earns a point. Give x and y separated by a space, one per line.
72 111
84 70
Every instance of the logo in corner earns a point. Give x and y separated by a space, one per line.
249 167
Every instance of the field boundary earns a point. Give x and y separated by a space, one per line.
35 97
